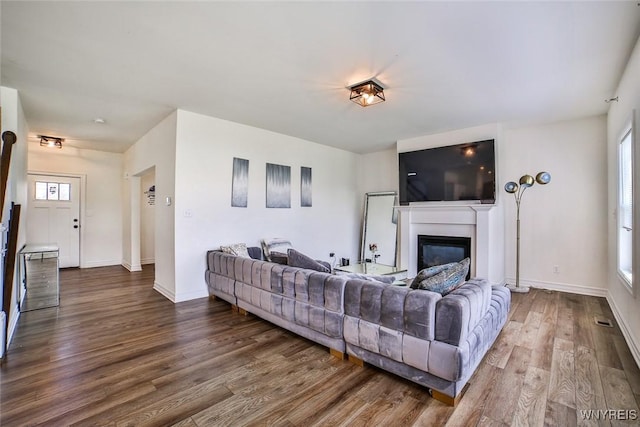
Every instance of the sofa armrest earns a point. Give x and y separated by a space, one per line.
460 311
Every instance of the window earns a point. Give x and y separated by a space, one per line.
53 191
64 189
41 191
625 207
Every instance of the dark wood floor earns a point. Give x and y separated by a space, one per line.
115 352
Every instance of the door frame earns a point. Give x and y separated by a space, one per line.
135 211
83 186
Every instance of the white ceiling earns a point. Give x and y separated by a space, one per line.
284 66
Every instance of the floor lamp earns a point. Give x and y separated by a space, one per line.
526 181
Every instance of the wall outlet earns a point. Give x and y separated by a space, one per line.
556 269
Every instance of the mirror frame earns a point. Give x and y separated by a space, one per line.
394 220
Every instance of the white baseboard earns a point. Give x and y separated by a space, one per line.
624 327
145 261
13 326
170 295
192 295
102 263
562 287
130 267
500 283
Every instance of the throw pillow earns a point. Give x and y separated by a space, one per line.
446 280
428 272
237 249
325 264
298 259
255 252
274 245
279 258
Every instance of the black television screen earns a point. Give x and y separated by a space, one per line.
452 173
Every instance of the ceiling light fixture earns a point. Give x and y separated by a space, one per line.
99 121
367 93
50 141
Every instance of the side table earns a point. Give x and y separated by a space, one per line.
375 269
39 277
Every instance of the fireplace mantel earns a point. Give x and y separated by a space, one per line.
482 223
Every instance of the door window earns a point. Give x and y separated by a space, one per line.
53 191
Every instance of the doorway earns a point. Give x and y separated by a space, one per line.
53 215
147 217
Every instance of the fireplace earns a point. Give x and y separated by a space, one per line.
438 250
483 224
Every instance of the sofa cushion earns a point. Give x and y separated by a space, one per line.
237 249
274 245
298 259
419 313
446 280
458 313
371 301
279 257
392 307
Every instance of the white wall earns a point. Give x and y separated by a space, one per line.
147 220
205 219
625 306
13 119
552 232
378 172
156 149
563 223
101 197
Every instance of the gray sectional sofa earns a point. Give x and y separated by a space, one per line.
422 336
307 302
432 340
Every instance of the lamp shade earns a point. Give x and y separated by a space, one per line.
526 181
511 187
543 178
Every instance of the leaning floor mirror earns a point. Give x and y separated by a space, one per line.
379 230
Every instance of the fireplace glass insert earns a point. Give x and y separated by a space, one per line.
438 250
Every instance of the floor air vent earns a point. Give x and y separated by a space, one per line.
601 321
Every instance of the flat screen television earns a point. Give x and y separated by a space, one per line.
463 172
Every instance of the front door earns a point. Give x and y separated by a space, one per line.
53 215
